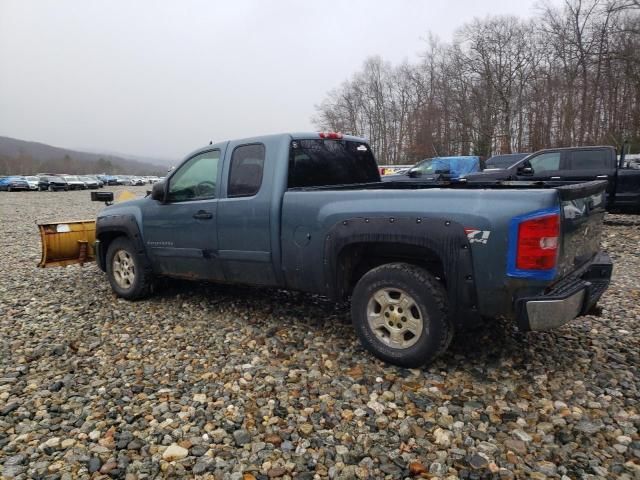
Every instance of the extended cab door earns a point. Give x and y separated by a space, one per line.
244 215
180 234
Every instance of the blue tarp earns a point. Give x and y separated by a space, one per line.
457 166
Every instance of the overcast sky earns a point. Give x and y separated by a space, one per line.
161 78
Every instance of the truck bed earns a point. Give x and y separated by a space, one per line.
311 215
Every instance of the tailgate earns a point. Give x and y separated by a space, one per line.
582 208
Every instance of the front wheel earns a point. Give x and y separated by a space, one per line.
400 314
127 271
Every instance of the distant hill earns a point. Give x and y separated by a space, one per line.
20 157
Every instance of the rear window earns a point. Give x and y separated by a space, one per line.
589 160
315 163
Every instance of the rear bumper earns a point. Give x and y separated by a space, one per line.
570 298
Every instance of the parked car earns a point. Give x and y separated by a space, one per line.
392 169
437 169
121 180
52 183
89 182
100 182
32 181
308 212
504 160
74 182
13 183
109 179
576 164
136 181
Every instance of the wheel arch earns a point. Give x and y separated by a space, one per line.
108 228
439 245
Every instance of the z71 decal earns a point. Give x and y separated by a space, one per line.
477 236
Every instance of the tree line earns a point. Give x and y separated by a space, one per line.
569 76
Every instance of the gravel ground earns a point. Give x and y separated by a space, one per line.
239 383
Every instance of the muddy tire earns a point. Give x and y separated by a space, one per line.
400 314
128 272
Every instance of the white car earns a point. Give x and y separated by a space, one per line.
33 182
136 181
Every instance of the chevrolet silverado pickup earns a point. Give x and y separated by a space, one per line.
576 164
307 211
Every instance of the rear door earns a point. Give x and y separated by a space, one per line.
590 164
244 220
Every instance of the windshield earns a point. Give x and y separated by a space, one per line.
72 178
314 163
32 179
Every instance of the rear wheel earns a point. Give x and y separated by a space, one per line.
399 312
129 275
8 189
51 188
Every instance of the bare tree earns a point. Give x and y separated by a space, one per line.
570 76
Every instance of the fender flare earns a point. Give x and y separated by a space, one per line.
445 238
111 226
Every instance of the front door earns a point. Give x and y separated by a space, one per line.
546 166
181 234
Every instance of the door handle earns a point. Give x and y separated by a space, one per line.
556 178
202 215
602 176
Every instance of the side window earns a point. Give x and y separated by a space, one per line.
245 174
545 162
589 160
196 179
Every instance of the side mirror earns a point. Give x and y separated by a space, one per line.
158 191
525 169
414 173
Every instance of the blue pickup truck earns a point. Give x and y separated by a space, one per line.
307 211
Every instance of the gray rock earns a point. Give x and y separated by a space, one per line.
94 464
242 437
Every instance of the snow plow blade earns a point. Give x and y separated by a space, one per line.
67 243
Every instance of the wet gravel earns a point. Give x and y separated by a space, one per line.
239 383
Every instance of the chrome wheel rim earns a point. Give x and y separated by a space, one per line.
395 318
124 272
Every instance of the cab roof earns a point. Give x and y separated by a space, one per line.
290 135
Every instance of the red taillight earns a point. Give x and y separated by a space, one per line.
538 241
330 135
